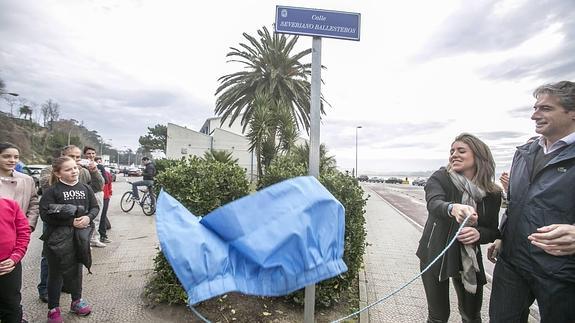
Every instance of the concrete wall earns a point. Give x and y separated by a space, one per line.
183 142
238 145
212 124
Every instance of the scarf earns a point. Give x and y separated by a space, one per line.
471 194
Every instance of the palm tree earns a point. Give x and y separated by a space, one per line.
272 130
222 156
301 155
271 69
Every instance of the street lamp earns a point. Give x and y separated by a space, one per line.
356 172
69 132
102 145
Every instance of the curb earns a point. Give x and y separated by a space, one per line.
363 316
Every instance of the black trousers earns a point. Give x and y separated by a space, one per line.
56 279
10 296
104 219
437 294
514 290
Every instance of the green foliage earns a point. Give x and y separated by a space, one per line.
155 139
301 155
164 287
270 69
163 164
201 186
223 156
349 193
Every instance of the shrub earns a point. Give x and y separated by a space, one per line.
201 186
349 193
163 164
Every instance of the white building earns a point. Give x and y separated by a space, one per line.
184 142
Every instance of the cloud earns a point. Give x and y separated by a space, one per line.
523 112
378 134
480 26
494 135
484 27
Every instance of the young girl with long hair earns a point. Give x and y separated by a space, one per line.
20 188
17 186
465 188
67 208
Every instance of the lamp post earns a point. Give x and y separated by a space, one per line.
69 132
356 172
102 145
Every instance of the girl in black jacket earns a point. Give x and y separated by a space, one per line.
68 208
466 187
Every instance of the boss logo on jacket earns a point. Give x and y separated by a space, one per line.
74 195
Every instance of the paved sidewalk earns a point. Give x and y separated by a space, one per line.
120 271
390 261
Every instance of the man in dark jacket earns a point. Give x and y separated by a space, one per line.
537 259
148 177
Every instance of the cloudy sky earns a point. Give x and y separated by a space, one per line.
423 72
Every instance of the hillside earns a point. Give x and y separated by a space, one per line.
39 144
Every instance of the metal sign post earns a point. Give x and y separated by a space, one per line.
317 23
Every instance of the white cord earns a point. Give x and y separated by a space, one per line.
412 280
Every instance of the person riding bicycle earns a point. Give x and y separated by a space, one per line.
148 180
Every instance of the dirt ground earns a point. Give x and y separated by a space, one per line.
235 307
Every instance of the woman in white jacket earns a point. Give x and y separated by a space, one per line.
17 186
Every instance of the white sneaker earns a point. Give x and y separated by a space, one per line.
98 244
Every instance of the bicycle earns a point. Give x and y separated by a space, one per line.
147 201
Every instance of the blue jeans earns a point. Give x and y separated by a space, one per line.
147 182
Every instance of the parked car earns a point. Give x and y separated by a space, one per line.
394 180
363 178
134 171
34 171
376 179
419 182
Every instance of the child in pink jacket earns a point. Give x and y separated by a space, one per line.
14 239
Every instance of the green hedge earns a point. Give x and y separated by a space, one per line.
349 193
201 186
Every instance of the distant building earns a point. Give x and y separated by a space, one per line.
184 142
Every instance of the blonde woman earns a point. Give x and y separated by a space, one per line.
465 187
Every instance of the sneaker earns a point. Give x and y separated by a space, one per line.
105 240
80 307
54 316
96 243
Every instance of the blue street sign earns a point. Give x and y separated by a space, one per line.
317 22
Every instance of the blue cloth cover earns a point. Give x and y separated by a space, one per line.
270 243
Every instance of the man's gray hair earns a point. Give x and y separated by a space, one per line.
564 91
